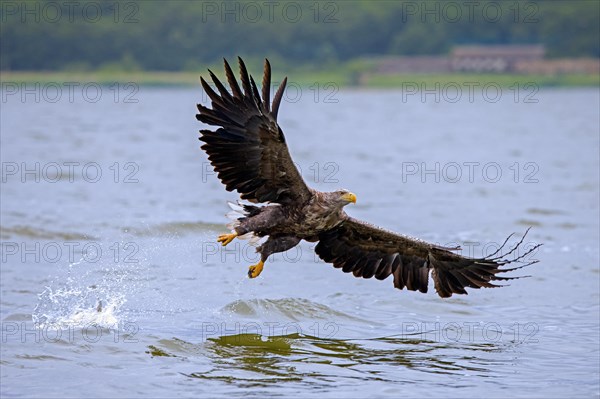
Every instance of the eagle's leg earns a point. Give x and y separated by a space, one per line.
273 245
225 239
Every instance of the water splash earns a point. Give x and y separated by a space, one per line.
78 307
83 295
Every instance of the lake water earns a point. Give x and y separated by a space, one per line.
113 285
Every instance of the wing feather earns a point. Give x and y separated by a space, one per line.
248 150
369 251
278 97
233 84
266 86
222 90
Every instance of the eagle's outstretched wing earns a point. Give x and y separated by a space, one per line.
367 251
248 151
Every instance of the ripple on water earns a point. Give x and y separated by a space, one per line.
293 309
34 232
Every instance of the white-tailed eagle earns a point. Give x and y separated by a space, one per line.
249 154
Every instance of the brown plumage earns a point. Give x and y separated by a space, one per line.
249 153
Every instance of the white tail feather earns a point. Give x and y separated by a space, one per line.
236 207
255 240
237 211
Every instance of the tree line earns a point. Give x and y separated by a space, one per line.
185 35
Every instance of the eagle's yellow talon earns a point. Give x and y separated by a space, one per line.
255 270
225 239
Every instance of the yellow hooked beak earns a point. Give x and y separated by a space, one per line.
350 197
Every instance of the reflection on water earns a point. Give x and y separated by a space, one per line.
122 272
264 361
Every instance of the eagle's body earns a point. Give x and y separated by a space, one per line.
249 154
321 212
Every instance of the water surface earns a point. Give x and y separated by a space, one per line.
112 283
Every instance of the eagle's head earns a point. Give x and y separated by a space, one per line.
329 206
336 200
344 197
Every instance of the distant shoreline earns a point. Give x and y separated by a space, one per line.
322 80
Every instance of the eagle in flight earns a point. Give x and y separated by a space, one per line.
249 154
